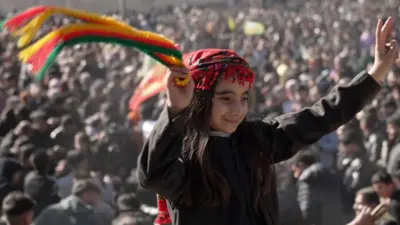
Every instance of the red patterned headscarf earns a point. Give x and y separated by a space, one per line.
207 65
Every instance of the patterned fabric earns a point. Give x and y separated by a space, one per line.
207 65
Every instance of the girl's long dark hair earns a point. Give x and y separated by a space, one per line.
207 186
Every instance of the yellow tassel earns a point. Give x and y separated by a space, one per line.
90 17
86 16
30 30
25 54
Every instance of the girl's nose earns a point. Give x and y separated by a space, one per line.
236 108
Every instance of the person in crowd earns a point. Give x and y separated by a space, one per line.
129 208
75 209
328 146
103 211
373 138
64 134
82 143
38 185
287 195
392 150
92 105
10 176
144 196
41 130
24 128
203 137
17 209
384 186
367 197
354 167
318 191
77 167
24 154
389 107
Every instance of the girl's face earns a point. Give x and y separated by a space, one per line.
230 105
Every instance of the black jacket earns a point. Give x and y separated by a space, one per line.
8 167
42 189
394 208
287 196
319 196
162 168
356 172
394 160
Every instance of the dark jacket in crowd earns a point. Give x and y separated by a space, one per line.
137 218
394 160
42 139
356 172
394 207
7 142
69 211
8 167
319 196
42 189
162 168
287 196
373 146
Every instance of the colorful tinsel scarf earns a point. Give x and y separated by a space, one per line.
94 28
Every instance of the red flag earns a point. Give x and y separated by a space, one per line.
152 84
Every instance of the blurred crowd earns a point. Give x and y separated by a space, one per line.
68 149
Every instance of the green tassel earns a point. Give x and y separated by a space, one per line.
145 48
2 24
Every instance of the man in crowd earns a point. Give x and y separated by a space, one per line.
386 189
76 209
129 208
318 191
354 167
368 198
39 185
18 209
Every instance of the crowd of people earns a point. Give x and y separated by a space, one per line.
68 150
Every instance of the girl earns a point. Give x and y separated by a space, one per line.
212 165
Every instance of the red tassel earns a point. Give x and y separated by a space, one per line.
38 60
18 20
163 217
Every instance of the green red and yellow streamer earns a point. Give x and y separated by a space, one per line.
94 28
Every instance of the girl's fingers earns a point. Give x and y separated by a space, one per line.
177 69
393 49
386 29
368 210
178 76
378 34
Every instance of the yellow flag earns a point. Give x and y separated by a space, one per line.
231 23
253 28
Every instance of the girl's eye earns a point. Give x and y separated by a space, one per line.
245 98
226 99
